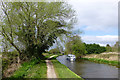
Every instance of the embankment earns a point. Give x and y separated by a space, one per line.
110 58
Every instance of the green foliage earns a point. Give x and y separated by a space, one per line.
33 27
94 48
47 55
37 71
32 69
8 58
78 49
21 72
55 51
75 46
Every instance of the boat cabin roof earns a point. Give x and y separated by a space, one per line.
71 55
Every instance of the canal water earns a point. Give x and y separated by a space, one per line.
87 69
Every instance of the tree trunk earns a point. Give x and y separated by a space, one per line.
18 59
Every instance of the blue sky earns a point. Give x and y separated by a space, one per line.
97 19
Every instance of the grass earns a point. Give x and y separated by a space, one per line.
47 55
32 69
38 69
63 72
111 56
113 63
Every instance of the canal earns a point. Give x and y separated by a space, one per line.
87 69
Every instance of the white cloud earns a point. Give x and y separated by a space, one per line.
96 14
102 40
108 38
102 44
99 16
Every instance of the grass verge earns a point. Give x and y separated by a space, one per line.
62 71
32 69
113 63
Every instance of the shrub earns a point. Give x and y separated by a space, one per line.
54 51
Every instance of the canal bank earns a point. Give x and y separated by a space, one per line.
88 69
110 58
102 61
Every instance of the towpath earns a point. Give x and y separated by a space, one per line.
50 69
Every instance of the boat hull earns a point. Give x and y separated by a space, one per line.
71 59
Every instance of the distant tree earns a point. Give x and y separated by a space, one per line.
115 47
94 48
107 45
108 48
54 51
75 46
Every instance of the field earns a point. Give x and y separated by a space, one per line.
110 56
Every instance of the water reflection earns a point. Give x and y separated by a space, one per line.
87 69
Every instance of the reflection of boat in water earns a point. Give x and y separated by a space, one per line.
71 57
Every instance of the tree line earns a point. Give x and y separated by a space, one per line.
75 46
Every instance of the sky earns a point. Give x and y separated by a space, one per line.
97 19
